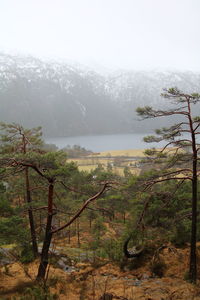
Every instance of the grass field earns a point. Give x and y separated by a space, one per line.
129 152
118 159
116 170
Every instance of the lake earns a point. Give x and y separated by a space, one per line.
98 143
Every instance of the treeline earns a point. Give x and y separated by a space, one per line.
76 151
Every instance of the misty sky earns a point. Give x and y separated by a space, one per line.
130 34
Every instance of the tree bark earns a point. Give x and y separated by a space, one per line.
30 215
45 250
193 267
193 263
69 235
78 232
193 259
48 236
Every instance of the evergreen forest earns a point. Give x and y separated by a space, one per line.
98 235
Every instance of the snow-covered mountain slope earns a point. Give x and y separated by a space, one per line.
68 99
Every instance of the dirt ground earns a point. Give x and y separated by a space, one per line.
90 283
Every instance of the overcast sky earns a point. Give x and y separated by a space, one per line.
131 34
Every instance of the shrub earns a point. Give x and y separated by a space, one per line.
26 254
38 293
181 235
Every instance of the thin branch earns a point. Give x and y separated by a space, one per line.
197 127
87 202
174 172
72 189
38 188
37 208
150 184
18 163
100 209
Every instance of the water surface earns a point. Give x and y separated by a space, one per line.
98 143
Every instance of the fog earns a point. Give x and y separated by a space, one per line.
82 67
106 34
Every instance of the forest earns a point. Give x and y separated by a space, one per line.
69 234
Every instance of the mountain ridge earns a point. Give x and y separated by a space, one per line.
69 100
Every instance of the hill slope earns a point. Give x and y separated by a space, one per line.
73 100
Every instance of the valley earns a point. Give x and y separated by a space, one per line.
115 161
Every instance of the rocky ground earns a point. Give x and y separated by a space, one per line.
84 281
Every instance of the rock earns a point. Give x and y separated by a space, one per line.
6 257
137 282
61 263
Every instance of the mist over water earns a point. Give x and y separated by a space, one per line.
98 143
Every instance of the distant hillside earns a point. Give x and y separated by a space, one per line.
72 100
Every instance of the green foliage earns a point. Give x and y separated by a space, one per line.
113 249
5 207
98 230
100 174
196 119
151 139
12 229
38 293
143 111
150 152
181 234
26 255
15 138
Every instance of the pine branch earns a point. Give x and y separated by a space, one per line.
87 202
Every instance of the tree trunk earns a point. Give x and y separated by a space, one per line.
90 223
78 233
193 267
69 235
106 296
48 236
124 217
45 250
193 259
30 215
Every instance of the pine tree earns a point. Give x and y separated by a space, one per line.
16 140
181 161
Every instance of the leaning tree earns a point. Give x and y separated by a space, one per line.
179 157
